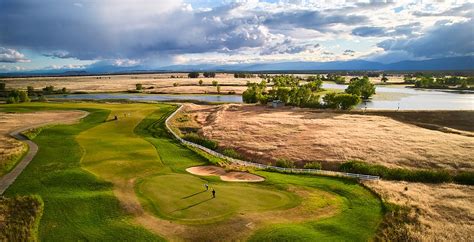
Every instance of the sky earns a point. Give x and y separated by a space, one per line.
146 34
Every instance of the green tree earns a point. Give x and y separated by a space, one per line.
64 90
193 75
23 97
200 82
215 83
48 90
2 86
361 87
209 74
30 90
218 87
138 86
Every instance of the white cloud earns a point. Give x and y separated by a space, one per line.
11 56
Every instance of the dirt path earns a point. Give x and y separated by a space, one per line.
11 176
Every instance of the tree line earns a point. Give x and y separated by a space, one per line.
292 91
21 96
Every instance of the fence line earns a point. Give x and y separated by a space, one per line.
262 166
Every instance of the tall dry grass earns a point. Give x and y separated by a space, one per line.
443 212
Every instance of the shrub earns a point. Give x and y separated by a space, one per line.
138 86
195 138
341 100
285 163
200 82
11 100
427 176
42 98
231 153
313 165
23 97
215 83
464 178
175 84
2 86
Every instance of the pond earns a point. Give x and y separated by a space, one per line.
387 97
399 97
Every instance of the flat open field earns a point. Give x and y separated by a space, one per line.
152 83
11 149
105 179
265 134
443 212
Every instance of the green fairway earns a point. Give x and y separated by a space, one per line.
94 177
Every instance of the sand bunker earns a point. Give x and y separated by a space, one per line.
233 176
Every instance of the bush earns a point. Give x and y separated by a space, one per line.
231 153
285 163
200 82
175 84
138 86
313 165
215 83
193 75
23 96
2 86
12 100
195 138
42 98
30 90
341 100
465 177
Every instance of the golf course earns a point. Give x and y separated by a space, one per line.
118 174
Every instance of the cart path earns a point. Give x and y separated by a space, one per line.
10 177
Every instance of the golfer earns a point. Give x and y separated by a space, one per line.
213 193
206 186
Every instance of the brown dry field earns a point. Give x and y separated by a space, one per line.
265 134
445 212
13 121
152 83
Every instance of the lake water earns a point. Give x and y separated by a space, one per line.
387 97
394 97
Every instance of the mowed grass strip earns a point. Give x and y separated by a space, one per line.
77 204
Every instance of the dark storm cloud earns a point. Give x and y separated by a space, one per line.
443 40
369 31
401 30
312 20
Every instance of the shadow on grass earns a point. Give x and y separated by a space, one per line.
192 205
194 194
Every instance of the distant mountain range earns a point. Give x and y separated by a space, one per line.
443 64
452 63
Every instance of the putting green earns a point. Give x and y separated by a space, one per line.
187 200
